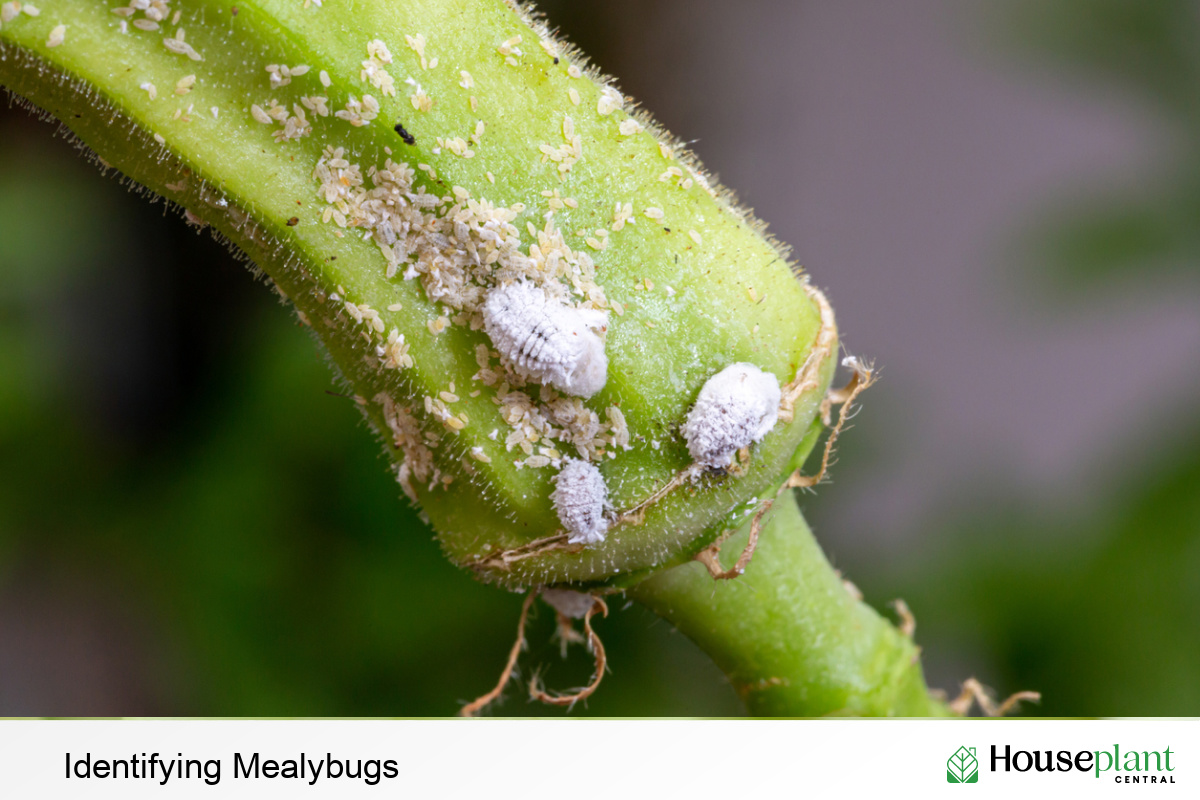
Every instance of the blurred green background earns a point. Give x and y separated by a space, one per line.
192 522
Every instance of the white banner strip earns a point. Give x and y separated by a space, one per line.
609 759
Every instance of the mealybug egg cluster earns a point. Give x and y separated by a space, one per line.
547 340
737 406
580 497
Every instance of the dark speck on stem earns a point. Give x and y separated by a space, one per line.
405 135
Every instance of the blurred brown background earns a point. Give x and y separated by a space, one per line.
1002 200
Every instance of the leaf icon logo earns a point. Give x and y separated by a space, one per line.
962 767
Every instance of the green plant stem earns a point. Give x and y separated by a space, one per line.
788 633
691 287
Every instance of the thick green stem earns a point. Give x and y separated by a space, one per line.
507 163
792 638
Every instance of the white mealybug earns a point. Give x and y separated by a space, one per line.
580 497
737 406
546 339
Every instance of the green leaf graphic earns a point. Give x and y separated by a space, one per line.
962 767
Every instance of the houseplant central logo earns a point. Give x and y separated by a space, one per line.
963 766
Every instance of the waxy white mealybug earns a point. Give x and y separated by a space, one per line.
737 406
547 340
580 497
